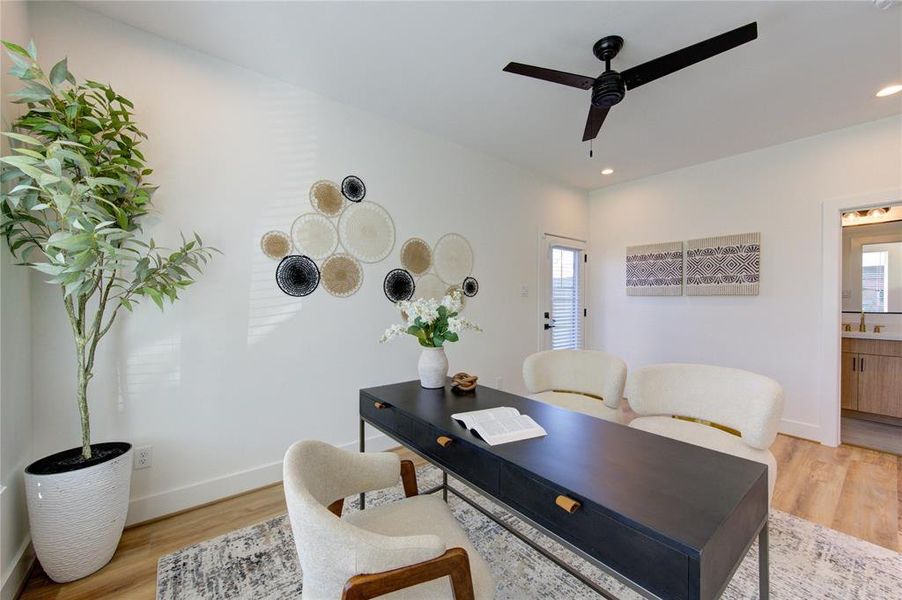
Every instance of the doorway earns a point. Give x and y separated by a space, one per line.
562 293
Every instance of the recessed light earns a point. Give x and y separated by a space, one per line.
607 171
890 90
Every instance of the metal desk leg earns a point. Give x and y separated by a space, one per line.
763 564
362 449
445 486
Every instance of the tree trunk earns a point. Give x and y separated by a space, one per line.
83 378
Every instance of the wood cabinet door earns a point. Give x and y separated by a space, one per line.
849 376
880 384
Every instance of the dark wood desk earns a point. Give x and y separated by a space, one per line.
669 519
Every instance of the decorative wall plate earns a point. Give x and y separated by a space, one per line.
275 244
452 258
463 298
430 286
398 285
416 256
297 275
326 198
353 189
342 275
367 231
314 235
470 287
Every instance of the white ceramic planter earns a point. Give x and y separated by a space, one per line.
433 368
76 517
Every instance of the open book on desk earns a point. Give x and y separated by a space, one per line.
500 425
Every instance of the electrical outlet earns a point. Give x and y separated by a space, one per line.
524 291
143 457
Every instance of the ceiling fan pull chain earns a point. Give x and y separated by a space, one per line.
590 148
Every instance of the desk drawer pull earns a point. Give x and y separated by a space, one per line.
444 441
380 405
568 504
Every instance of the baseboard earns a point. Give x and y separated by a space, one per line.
18 574
179 499
800 429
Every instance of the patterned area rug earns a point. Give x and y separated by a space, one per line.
808 561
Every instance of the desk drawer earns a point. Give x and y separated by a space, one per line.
646 561
458 456
380 413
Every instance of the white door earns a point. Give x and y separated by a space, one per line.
562 308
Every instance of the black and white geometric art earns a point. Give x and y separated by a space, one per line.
728 265
398 285
655 270
297 275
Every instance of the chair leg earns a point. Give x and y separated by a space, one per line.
409 478
454 563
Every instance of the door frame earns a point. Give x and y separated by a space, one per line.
831 303
546 240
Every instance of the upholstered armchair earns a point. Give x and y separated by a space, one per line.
728 410
585 381
408 549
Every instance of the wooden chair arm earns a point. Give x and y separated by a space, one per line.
408 479
454 563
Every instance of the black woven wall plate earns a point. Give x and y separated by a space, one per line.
297 275
398 285
470 287
353 189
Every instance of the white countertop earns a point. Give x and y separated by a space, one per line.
886 334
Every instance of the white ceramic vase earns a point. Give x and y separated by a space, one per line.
433 368
77 516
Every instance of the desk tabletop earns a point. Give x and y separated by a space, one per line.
675 492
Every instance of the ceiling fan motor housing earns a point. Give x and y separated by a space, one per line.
608 89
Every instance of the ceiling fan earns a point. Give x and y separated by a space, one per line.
610 87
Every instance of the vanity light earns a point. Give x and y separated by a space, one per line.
607 171
890 90
876 212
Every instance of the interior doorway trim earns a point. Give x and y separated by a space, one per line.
831 302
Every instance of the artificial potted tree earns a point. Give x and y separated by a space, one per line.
74 194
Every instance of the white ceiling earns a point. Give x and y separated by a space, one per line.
437 67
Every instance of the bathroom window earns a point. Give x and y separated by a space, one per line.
874 281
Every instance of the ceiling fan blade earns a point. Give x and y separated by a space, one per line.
667 64
594 121
578 81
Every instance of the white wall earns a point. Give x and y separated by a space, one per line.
15 356
224 381
777 191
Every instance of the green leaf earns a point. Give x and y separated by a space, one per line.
16 49
32 50
58 72
21 137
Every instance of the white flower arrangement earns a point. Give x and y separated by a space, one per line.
431 321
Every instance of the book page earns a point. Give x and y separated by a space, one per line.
508 429
474 417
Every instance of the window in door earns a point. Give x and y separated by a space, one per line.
566 298
874 281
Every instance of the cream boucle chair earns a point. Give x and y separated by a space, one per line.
585 381
749 404
410 549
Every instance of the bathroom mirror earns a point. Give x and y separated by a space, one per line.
872 268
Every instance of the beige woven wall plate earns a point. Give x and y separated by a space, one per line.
275 244
366 231
326 198
314 235
430 286
416 256
452 258
341 275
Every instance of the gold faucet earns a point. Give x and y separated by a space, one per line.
861 326
847 327
877 328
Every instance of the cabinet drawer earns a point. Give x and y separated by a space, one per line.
657 567
459 456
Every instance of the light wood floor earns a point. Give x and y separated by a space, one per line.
851 489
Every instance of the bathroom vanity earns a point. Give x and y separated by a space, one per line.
872 374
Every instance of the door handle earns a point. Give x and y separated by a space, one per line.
853 364
861 365
547 326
